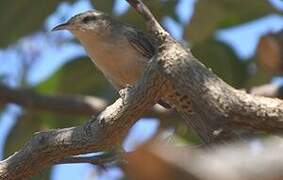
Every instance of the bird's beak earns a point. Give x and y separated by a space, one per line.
63 26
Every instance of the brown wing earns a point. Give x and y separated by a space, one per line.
140 42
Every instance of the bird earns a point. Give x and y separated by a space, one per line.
119 50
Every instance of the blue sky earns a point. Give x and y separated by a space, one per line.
242 38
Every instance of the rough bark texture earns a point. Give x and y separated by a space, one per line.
102 133
210 106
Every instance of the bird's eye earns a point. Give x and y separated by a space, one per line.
88 19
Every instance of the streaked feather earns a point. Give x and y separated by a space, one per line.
140 42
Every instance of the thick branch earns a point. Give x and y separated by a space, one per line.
168 49
209 105
221 107
103 133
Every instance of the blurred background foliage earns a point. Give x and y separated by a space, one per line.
26 19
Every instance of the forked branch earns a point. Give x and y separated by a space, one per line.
214 109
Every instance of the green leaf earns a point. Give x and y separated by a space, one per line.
79 76
44 174
26 125
76 77
222 60
160 9
259 78
19 18
211 15
105 6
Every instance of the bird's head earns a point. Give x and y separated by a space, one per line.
92 21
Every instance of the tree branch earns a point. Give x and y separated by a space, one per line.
76 105
103 133
195 90
67 104
213 108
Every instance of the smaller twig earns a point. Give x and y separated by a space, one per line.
100 159
152 24
143 10
66 104
63 104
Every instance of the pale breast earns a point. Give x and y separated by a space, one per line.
120 63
